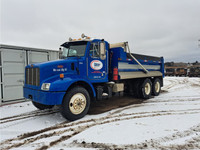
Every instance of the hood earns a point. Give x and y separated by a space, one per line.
52 69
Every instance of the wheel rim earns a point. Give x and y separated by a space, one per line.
157 87
77 103
147 88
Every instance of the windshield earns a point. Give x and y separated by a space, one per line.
73 49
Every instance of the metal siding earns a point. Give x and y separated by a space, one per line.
36 57
13 62
53 55
13 93
0 85
0 80
13 79
13 68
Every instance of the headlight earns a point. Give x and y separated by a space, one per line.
45 86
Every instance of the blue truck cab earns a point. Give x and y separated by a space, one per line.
87 69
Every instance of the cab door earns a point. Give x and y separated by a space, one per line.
97 66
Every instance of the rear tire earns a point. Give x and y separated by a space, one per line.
75 104
42 106
156 87
146 89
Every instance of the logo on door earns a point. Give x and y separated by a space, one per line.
96 64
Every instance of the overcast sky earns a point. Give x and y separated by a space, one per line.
169 28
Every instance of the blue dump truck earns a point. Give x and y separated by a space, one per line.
87 70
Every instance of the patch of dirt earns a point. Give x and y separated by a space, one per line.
105 105
163 91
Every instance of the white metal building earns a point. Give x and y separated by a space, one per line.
13 60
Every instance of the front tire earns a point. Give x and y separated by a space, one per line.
75 104
42 106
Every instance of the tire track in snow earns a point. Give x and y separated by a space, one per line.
27 115
72 130
78 128
154 102
193 143
48 112
157 143
83 128
172 84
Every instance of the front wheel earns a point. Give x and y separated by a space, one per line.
42 106
75 104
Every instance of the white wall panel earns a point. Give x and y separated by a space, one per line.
35 57
12 93
0 85
53 55
0 80
13 67
13 62
13 55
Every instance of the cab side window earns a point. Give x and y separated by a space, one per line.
94 50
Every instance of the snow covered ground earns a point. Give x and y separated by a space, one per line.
168 121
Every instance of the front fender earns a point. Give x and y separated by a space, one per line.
62 85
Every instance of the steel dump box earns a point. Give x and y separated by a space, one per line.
128 68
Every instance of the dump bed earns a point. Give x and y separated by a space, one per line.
128 68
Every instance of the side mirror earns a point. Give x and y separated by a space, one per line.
83 35
102 50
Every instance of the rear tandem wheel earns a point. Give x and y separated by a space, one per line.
156 87
145 89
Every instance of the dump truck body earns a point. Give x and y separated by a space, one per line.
130 69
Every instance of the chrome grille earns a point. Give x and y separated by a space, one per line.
33 76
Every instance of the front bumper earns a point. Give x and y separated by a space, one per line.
44 97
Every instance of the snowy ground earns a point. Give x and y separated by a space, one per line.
168 121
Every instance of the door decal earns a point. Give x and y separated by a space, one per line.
96 65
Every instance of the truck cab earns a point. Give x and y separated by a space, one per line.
82 63
91 63
87 69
